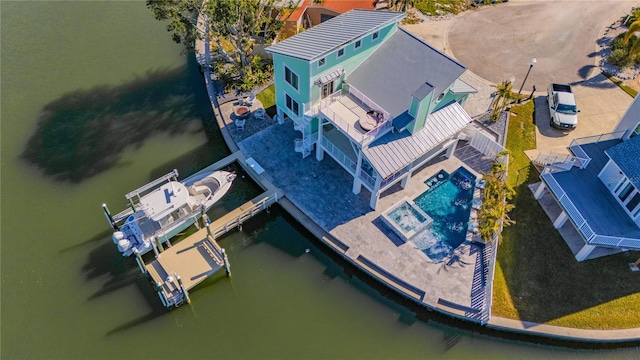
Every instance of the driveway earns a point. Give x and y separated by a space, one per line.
496 42
601 106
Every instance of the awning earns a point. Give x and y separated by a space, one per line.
330 76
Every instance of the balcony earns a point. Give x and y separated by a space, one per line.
354 114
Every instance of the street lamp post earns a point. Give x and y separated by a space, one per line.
532 62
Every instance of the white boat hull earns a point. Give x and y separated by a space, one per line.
170 209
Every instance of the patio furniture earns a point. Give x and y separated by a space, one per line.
249 100
368 123
240 124
241 112
259 114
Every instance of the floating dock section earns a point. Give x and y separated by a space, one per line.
184 265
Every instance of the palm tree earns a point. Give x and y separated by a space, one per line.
630 34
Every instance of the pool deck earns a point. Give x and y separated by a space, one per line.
322 191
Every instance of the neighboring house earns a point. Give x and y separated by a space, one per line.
311 13
378 100
598 187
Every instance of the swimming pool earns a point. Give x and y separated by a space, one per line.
448 202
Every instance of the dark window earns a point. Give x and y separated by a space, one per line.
291 77
325 17
292 104
635 200
375 35
358 43
340 52
624 194
321 62
636 131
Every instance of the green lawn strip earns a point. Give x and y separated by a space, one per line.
268 99
537 278
622 86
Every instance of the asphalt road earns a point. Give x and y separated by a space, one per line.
497 42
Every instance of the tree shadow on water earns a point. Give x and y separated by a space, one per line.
84 132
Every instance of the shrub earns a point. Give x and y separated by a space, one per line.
619 57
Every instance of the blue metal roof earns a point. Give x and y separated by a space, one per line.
627 156
334 33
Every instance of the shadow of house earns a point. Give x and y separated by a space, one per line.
85 132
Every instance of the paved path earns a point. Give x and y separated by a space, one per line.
497 42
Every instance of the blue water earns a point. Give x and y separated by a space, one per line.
448 203
406 217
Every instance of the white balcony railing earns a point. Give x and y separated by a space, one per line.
339 156
364 99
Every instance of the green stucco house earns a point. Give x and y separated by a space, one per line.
375 98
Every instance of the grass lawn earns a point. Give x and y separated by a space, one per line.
537 278
268 99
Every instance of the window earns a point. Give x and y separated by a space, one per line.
292 104
357 44
321 62
340 53
291 77
635 200
440 98
636 131
626 191
375 35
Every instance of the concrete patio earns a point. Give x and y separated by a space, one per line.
322 190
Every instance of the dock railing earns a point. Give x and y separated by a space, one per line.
237 220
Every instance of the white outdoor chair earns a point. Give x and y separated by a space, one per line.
249 101
259 114
240 124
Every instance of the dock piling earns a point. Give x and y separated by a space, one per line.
185 293
159 243
107 213
227 267
143 267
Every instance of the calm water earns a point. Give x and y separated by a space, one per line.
97 101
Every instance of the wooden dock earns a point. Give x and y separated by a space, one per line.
184 265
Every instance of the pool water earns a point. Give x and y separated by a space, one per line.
448 203
406 217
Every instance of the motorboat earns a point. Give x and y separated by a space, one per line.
165 207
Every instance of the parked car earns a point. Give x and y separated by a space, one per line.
562 106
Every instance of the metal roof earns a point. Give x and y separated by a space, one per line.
334 33
394 151
461 87
627 156
401 67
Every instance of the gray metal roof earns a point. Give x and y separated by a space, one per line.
627 156
461 87
334 33
399 68
394 151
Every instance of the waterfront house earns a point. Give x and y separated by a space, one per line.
310 13
372 96
598 188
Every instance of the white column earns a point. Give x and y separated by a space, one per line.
319 150
560 220
375 194
584 252
280 115
405 180
539 191
357 183
451 148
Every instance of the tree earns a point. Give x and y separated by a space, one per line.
495 207
504 95
237 29
630 35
